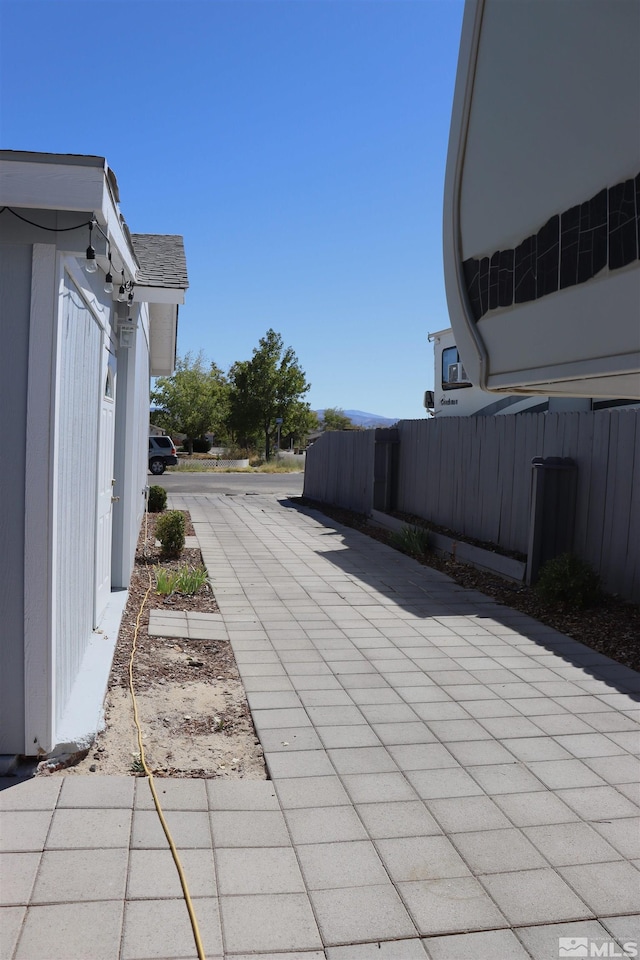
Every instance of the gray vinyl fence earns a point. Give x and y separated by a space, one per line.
473 475
339 470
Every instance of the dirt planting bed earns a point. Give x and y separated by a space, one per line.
192 705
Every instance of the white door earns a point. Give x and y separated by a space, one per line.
106 433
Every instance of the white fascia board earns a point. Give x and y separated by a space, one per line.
169 295
109 219
51 186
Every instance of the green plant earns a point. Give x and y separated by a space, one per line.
568 579
157 500
412 540
136 764
190 579
170 532
166 581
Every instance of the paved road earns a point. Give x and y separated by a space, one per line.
278 484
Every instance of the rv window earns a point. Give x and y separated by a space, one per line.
449 356
453 373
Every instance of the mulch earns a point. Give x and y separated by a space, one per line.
208 658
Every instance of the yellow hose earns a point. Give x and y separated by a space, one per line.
165 826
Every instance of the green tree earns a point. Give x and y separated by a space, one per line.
300 422
334 418
264 389
194 401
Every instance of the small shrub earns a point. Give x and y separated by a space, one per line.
235 453
157 500
201 445
568 579
412 540
170 532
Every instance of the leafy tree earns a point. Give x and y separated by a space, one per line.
300 422
334 418
193 401
263 389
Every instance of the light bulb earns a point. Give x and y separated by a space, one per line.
108 283
90 263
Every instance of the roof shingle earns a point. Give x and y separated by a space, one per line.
162 260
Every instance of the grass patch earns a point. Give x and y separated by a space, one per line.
412 540
186 580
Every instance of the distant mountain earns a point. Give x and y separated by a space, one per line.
362 419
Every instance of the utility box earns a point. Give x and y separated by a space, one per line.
385 468
553 505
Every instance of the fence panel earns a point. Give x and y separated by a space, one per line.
473 476
339 470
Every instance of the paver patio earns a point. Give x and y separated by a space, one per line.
449 778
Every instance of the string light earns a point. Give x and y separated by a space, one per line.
108 280
90 263
125 292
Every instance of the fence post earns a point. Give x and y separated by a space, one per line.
553 503
385 468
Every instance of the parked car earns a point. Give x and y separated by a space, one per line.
162 454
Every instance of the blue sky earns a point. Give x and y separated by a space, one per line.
299 147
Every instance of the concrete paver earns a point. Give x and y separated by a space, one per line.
534 896
450 779
73 876
71 930
497 944
542 941
253 870
161 928
450 906
269 922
